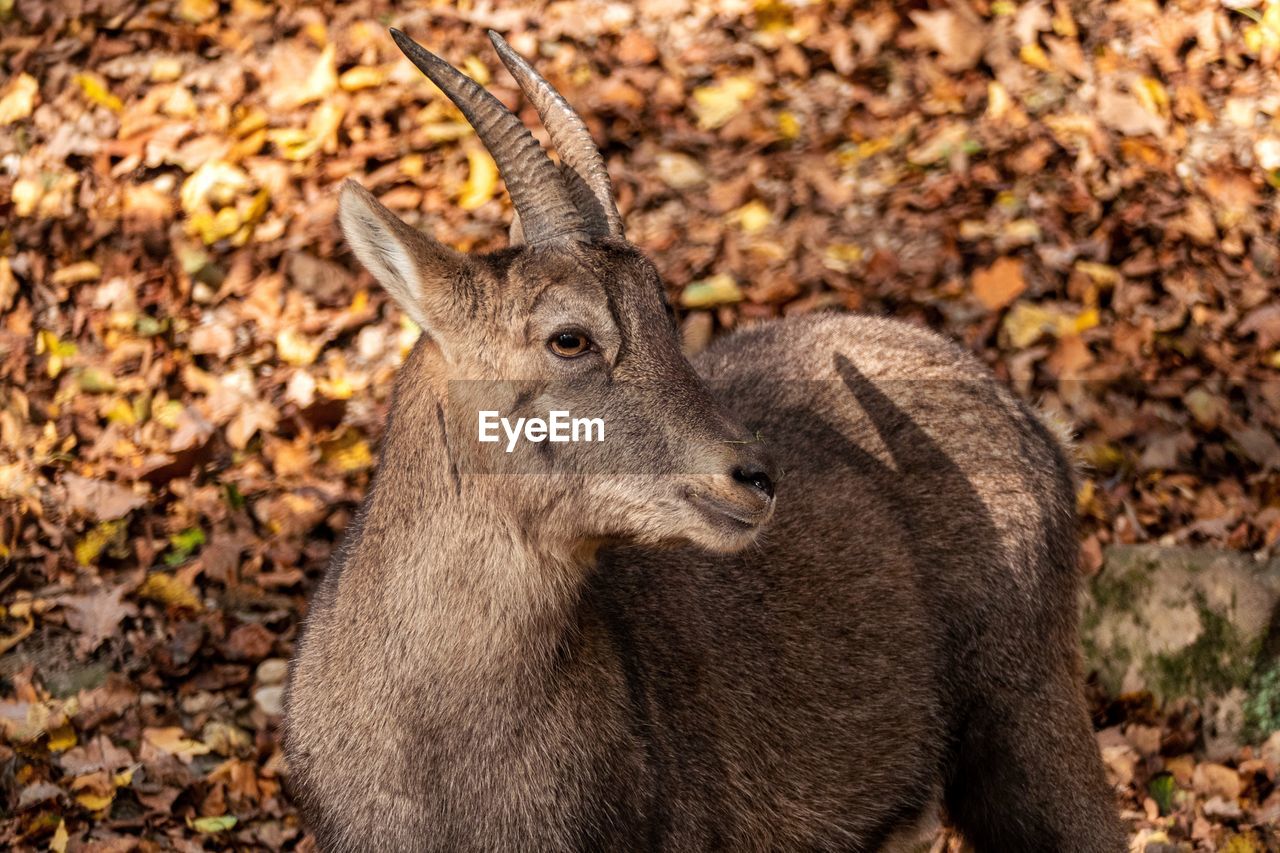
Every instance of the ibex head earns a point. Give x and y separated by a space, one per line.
571 318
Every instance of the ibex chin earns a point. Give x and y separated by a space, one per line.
810 591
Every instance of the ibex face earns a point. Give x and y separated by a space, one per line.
572 319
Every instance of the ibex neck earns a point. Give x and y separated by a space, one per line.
465 579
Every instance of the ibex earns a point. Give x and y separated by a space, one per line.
812 589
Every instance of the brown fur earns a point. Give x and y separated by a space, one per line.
557 650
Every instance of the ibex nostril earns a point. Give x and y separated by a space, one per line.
756 479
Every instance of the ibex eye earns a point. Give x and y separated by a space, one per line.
569 344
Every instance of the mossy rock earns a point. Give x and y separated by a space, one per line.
1189 622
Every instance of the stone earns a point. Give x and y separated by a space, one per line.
272 671
1216 780
270 700
1190 622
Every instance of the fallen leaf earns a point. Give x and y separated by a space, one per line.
19 99
1127 114
999 284
753 217
169 590
211 825
716 104
96 616
482 179
58 844
680 171
95 89
102 536
174 741
720 289
959 40
99 499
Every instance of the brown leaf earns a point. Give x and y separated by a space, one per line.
999 284
1123 112
99 499
96 616
98 754
959 40
1263 321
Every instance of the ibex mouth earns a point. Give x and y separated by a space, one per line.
731 514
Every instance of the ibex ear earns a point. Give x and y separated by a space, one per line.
417 271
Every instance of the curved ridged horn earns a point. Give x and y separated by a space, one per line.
591 190
533 182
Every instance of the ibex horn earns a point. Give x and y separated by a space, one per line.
589 184
537 190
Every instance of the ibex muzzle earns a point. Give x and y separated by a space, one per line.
657 641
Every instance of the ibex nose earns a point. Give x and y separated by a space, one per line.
754 469
755 477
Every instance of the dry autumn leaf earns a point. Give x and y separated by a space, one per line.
18 99
195 369
999 284
174 741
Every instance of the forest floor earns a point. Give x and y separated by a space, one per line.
195 372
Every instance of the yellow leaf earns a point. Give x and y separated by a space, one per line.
1082 322
168 414
322 80
215 184
1085 495
476 70
716 104
58 844
753 217
1102 274
19 99
90 548
168 589
1034 55
347 451
412 165
95 380
1152 94
998 100
8 285
174 741
293 348
362 77
94 802
165 69
77 273
321 132
47 343
788 125
482 179
119 410
197 11
841 256
212 227
95 89
719 289
222 823
1026 322
62 738
26 194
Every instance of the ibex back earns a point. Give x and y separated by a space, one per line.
811 591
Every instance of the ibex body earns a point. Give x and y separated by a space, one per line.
626 646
